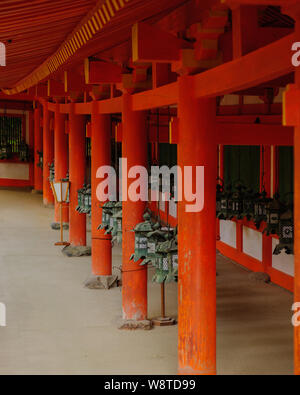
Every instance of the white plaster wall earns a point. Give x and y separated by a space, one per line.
252 100
283 262
230 100
228 233
14 171
252 243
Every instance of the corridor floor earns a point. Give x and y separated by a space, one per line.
56 326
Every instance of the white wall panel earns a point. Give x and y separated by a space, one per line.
14 171
228 232
252 243
283 262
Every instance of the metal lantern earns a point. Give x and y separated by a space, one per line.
106 214
51 172
5 152
248 204
154 237
162 263
40 163
80 200
84 200
141 242
117 228
88 200
238 202
286 234
60 191
112 210
119 224
164 252
166 270
173 260
274 209
260 208
226 204
219 197
116 222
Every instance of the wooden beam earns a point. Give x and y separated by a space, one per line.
74 82
260 2
252 134
41 91
164 96
244 29
99 72
264 64
291 111
56 88
151 44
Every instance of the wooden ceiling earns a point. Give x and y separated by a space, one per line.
33 30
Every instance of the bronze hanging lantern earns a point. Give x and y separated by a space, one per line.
248 204
238 202
260 209
141 242
226 204
220 190
273 211
286 234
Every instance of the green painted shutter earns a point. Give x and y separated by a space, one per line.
242 163
286 173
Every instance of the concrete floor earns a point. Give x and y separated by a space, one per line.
56 326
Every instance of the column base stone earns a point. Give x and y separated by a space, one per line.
49 205
77 251
131 325
102 282
260 277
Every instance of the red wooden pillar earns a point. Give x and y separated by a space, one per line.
48 156
38 147
134 289
101 156
265 182
297 245
197 236
31 147
61 158
297 216
77 164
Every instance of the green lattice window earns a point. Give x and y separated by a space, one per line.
242 163
11 132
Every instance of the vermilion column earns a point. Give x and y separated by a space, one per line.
297 218
134 277
101 156
48 156
197 236
31 147
77 163
61 158
38 147
297 242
